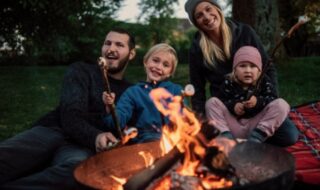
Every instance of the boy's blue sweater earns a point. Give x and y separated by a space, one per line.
136 101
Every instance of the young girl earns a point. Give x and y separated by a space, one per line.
160 63
236 115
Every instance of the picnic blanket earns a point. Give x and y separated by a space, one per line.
307 150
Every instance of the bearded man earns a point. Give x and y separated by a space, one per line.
45 156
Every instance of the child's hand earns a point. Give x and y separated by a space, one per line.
252 102
239 108
108 100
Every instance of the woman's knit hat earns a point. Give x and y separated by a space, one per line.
248 53
190 6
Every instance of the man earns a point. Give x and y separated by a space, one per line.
45 156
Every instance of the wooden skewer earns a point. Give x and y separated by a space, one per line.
265 68
104 69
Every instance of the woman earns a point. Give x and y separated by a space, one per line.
212 52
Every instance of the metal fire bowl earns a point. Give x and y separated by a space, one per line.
120 162
270 167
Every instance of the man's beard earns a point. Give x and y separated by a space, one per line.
121 66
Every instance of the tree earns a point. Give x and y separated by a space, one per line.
53 30
158 14
273 18
305 41
262 15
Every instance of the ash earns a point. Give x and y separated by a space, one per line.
179 182
256 174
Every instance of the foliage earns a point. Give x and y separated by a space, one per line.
54 31
291 10
304 40
158 16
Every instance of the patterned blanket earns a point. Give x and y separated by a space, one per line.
307 150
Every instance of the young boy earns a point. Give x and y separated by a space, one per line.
236 115
160 63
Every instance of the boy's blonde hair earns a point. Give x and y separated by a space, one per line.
210 50
164 48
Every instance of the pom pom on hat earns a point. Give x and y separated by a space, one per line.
248 53
190 6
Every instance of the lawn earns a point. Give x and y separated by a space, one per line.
29 92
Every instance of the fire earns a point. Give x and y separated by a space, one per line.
214 182
183 135
148 158
121 181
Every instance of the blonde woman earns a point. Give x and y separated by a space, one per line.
212 52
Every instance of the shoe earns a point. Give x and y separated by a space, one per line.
227 134
209 130
258 136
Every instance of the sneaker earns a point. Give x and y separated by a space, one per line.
257 136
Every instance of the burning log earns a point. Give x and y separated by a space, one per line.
218 163
142 179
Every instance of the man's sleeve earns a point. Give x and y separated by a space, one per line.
74 104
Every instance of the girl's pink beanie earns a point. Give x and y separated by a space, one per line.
248 53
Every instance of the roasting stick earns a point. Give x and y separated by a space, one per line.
302 20
104 69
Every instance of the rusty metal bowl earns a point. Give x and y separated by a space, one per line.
122 162
267 167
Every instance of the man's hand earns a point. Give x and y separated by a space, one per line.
104 141
239 109
252 102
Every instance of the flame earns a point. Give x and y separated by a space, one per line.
121 181
225 145
182 134
165 143
214 182
148 158
163 183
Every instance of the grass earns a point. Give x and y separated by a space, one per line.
299 80
29 92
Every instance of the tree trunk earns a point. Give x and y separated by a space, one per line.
244 11
262 15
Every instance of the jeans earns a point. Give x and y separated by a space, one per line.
39 158
286 135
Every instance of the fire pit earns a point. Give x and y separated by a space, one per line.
184 155
262 166
258 166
